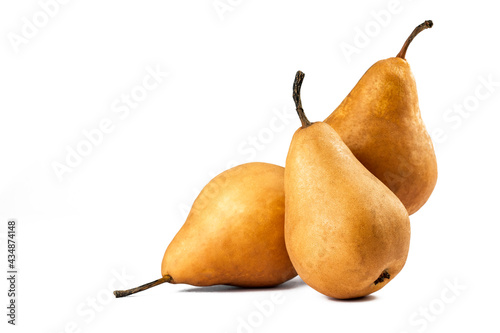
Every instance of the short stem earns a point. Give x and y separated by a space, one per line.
416 31
297 84
124 293
383 276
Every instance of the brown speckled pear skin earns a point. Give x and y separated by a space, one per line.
346 233
234 234
380 122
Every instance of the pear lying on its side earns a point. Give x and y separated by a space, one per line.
380 122
346 233
233 235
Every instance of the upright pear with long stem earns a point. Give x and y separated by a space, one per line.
380 122
346 233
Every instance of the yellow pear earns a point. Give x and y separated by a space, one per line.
380 122
233 235
346 233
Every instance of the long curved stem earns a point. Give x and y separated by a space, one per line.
297 84
416 31
124 293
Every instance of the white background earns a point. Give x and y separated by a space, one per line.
228 77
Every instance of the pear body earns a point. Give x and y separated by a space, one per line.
381 124
343 227
234 233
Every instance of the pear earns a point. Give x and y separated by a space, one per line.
346 233
233 235
380 122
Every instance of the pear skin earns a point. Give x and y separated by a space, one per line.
233 235
346 233
380 122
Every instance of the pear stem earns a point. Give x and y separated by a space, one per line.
416 31
297 84
385 275
124 293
